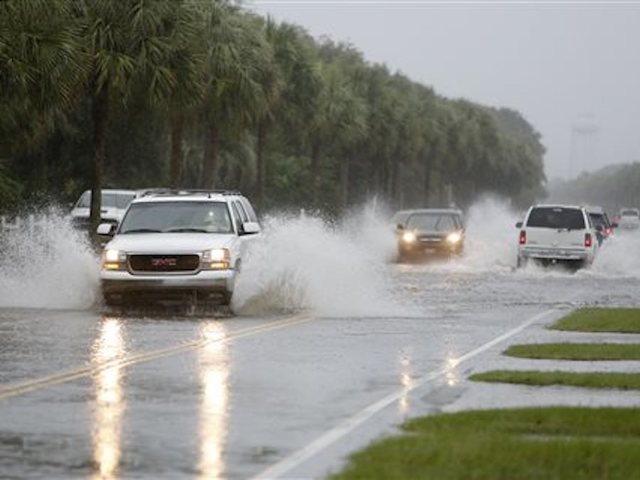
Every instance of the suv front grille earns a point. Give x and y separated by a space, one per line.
164 263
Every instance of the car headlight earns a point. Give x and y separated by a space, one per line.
113 259
216 259
454 238
409 237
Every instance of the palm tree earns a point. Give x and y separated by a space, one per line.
41 69
125 41
237 63
183 62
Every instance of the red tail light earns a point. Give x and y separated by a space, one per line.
523 237
587 240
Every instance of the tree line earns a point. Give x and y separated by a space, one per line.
189 93
613 188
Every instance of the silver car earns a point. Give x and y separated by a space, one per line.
174 245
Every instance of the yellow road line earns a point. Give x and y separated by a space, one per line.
13 390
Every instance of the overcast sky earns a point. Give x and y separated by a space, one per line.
558 63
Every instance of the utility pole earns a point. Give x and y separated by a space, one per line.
584 132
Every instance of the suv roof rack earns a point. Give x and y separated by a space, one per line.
185 191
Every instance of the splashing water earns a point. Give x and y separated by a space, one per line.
304 263
45 263
618 256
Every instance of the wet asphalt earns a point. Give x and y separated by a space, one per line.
93 394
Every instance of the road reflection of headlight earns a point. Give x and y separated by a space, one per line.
406 380
454 237
409 237
214 373
110 405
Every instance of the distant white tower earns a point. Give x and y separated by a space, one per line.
584 143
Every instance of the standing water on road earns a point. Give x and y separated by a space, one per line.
47 264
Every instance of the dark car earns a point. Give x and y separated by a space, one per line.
429 232
601 223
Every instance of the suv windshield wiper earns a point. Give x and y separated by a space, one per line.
142 230
186 230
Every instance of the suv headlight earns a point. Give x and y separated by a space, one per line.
114 259
454 238
216 259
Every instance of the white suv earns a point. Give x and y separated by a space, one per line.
172 244
553 233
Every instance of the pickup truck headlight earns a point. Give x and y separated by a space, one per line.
409 237
114 260
454 238
216 259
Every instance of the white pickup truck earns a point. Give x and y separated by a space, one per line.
557 233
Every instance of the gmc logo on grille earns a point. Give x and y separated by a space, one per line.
163 262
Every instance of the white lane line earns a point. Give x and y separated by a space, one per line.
328 438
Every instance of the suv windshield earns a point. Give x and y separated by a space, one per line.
109 199
432 222
556 217
177 217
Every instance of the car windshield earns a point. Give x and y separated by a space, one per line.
431 222
109 200
556 217
177 217
629 213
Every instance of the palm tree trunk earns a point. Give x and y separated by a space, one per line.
261 165
344 183
211 152
177 132
393 180
100 128
315 172
427 182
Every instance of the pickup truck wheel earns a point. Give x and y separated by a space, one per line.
110 300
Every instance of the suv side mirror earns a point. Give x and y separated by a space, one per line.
614 225
519 225
106 229
249 228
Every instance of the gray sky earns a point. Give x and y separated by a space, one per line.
558 63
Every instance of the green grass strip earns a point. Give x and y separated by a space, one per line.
576 351
622 381
616 320
568 443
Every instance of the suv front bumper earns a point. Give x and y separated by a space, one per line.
207 281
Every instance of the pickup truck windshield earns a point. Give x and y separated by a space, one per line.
556 217
432 222
177 217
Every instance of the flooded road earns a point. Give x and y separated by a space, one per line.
285 388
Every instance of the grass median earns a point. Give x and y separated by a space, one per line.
613 380
576 351
614 320
570 443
